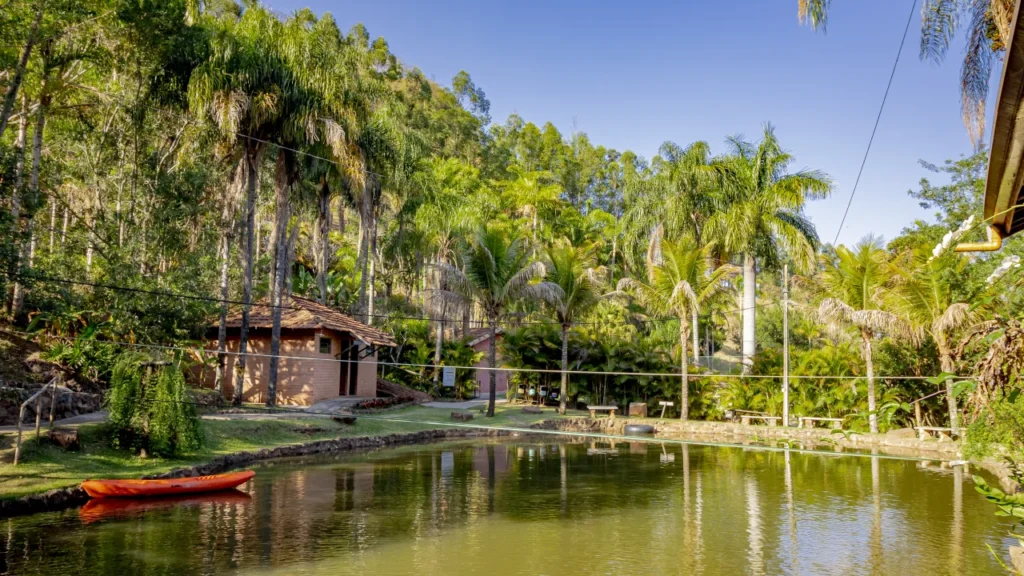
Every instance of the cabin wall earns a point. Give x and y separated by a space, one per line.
301 381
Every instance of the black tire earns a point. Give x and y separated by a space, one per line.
638 429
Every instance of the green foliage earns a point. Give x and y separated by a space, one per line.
152 412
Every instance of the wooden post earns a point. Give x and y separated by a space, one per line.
17 446
53 403
917 414
39 414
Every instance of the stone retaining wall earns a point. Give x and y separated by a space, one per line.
69 403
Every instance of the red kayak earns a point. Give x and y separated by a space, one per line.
165 487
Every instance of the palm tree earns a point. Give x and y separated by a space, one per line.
679 281
498 273
762 217
856 282
571 269
531 192
238 87
988 31
447 186
924 297
682 195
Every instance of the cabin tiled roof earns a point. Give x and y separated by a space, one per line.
300 313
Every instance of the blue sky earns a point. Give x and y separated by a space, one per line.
632 75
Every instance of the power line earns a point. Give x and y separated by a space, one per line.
485 368
885 96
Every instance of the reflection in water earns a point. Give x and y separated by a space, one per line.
540 508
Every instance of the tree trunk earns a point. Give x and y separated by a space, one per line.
222 325
684 408
19 72
564 391
749 311
53 224
365 215
37 157
324 226
282 185
946 362
696 336
370 294
492 350
252 159
19 180
872 406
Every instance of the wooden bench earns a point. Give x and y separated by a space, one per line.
925 432
610 409
769 420
808 422
664 405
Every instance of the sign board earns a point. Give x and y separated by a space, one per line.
448 377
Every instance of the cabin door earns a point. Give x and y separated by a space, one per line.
343 372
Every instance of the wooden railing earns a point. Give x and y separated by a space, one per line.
38 397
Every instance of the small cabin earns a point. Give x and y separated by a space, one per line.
324 354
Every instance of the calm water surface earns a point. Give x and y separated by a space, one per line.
498 508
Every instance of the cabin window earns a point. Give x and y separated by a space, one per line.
325 345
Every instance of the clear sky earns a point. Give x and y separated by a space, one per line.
634 74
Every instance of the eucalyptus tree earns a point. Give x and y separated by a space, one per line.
571 269
497 273
925 295
680 280
761 217
855 283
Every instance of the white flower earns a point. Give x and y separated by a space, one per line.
1009 263
950 238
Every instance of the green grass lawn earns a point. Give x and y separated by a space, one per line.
45 467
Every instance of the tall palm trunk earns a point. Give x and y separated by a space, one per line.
946 362
365 215
324 226
872 410
282 186
564 391
684 366
222 325
19 71
252 159
749 311
492 350
19 179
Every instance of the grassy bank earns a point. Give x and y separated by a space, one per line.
45 467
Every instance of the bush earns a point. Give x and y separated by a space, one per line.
155 413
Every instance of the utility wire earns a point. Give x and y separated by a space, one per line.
910 17
485 368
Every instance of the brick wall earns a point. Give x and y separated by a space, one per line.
300 382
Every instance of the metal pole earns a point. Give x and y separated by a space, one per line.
785 344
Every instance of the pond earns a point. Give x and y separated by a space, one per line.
525 507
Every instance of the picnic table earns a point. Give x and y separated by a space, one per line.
664 405
808 422
610 409
769 420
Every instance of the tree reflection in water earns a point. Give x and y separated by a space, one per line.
541 507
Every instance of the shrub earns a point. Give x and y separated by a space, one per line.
155 412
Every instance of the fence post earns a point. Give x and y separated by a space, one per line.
53 401
17 445
917 414
39 414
